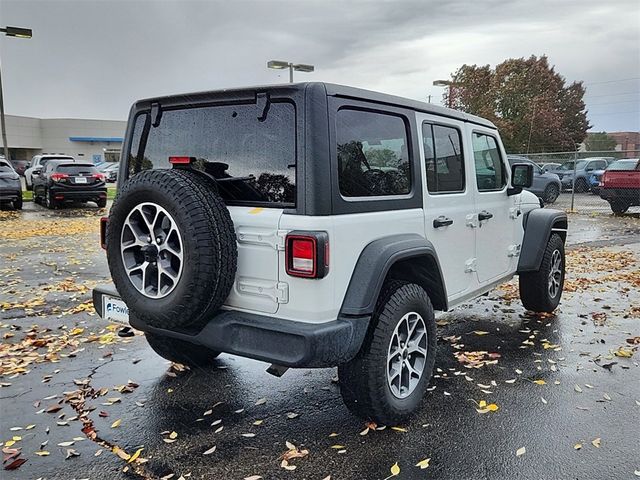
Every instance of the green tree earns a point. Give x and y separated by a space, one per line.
600 142
527 100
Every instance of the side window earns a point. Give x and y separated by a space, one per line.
490 170
373 156
443 157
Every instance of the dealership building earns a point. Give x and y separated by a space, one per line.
88 140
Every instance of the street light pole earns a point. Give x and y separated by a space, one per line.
2 124
16 32
299 67
449 84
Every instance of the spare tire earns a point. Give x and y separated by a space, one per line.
171 248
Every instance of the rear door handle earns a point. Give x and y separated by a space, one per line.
442 221
484 215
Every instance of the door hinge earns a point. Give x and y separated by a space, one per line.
258 236
282 292
276 291
470 265
514 250
471 220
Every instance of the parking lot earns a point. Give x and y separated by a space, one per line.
81 402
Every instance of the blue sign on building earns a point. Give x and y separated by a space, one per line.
97 158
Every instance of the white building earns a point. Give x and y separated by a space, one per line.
90 140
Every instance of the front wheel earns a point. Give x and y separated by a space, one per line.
17 204
179 351
387 379
581 186
541 291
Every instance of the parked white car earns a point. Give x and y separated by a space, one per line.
37 164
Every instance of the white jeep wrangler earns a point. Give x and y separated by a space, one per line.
317 225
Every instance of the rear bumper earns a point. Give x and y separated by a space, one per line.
273 340
630 195
10 194
78 195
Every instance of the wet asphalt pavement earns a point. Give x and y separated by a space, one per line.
557 383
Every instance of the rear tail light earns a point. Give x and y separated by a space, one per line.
307 254
99 176
103 232
57 177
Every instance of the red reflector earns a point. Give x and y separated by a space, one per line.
58 197
103 232
58 176
180 160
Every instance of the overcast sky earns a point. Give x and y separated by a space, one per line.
92 59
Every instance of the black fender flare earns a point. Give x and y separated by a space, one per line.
539 224
375 262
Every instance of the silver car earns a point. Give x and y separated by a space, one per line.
546 185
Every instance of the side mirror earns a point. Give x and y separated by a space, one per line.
521 177
37 172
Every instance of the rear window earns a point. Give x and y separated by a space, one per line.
624 165
253 159
75 169
5 167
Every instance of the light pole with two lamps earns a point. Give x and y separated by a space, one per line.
298 67
16 32
449 84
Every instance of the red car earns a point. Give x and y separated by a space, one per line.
620 184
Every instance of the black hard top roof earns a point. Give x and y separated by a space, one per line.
332 90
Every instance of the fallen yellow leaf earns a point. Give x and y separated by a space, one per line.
395 469
135 455
117 423
423 463
539 382
596 442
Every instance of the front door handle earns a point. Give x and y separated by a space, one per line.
484 215
442 221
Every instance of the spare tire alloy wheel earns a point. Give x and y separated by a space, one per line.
151 247
171 249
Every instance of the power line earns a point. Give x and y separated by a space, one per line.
612 113
613 81
612 94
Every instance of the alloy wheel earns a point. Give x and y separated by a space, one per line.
407 355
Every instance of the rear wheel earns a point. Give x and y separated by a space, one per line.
102 203
551 193
387 379
541 291
619 206
17 204
49 201
179 351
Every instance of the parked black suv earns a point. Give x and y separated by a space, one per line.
10 187
61 180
